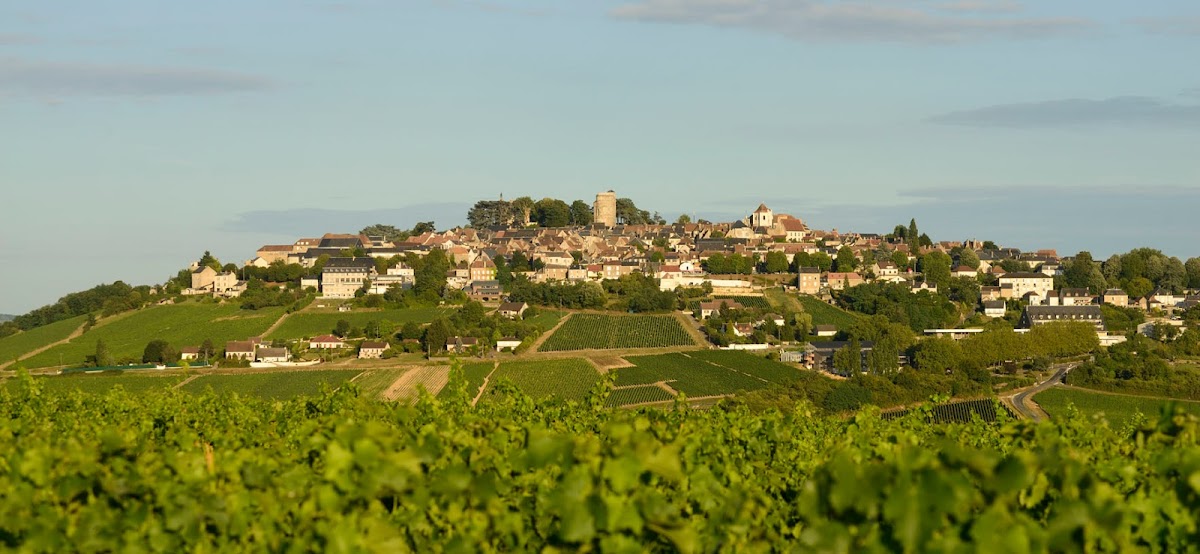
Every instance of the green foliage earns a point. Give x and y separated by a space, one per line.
20 344
688 374
514 474
935 266
594 331
919 311
550 212
309 324
581 213
580 296
1121 321
720 263
569 379
846 261
109 299
272 385
159 351
640 293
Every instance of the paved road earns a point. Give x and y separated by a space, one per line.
1027 407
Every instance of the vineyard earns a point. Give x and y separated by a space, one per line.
375 381
752 302
215 473
825 314
20 344
593 331
274 385
570 379
475 374
101 382
687 374
1117 409
308 324
961 412
638 395
757 366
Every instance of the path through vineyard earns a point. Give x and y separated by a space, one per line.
486 379
538 343
281 319
433 378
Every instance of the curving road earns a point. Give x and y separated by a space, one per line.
1027 407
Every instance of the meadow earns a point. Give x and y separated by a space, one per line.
20 344
274 385
595 331
185 324
1117 409
308 324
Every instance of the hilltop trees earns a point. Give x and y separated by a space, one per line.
581 213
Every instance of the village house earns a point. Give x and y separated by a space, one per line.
1040 315
372 350
809 280
460 345
825 330
482 269
485 291
240 350
342 277
273 355
512 310
507 343
708 309
326 342
189 353
1116 297
994 308
842 280
1024 282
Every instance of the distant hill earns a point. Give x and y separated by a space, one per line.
7 317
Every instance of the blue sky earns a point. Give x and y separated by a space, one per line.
134 135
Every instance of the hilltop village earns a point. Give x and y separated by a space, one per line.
590 257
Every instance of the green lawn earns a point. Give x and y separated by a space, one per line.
23 343
102 382
274 385
181 325
1117 409
309 324
825 314
570 378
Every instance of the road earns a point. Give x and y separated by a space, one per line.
1027 407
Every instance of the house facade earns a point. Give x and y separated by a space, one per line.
1026 282
342 277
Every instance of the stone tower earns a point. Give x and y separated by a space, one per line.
604 211
762 217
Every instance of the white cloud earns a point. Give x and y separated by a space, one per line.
1075 112
58 79
898 21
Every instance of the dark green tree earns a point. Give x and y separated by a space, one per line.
581 213
103 356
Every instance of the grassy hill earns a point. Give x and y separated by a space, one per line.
1116 408
308 324
825 314
186 324
20 344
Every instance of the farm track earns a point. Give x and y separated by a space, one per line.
486 379
283 318
180 384
542 339
693 329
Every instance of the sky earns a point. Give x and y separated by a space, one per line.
135 135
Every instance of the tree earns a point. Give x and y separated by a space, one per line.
968 258
423 227
846 260
342 328
847 360
103 356
1192 268
207 350
410 331
436 335
900 259
1078 273
913 235
581 213
683 219
158 352
550 212
490 213
935 266
775 262
937 355
629 214
1139 287
388 232
522 209
210 261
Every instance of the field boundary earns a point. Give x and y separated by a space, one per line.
537 344
486 379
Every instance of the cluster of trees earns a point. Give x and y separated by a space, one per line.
1143 365
1138 272
722 264
105 299
910 235
259 295
392 234
918 311
641 293
551 212
995 347
576 296
472 320
718 327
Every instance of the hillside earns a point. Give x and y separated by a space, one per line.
7 317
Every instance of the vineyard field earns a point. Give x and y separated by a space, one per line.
546 319
171 472
185 324
101 382
20 344
961 412
752 302
374 382
569 379
758 366
686 374
594 331
825 314
1117 409
638 395
273 385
